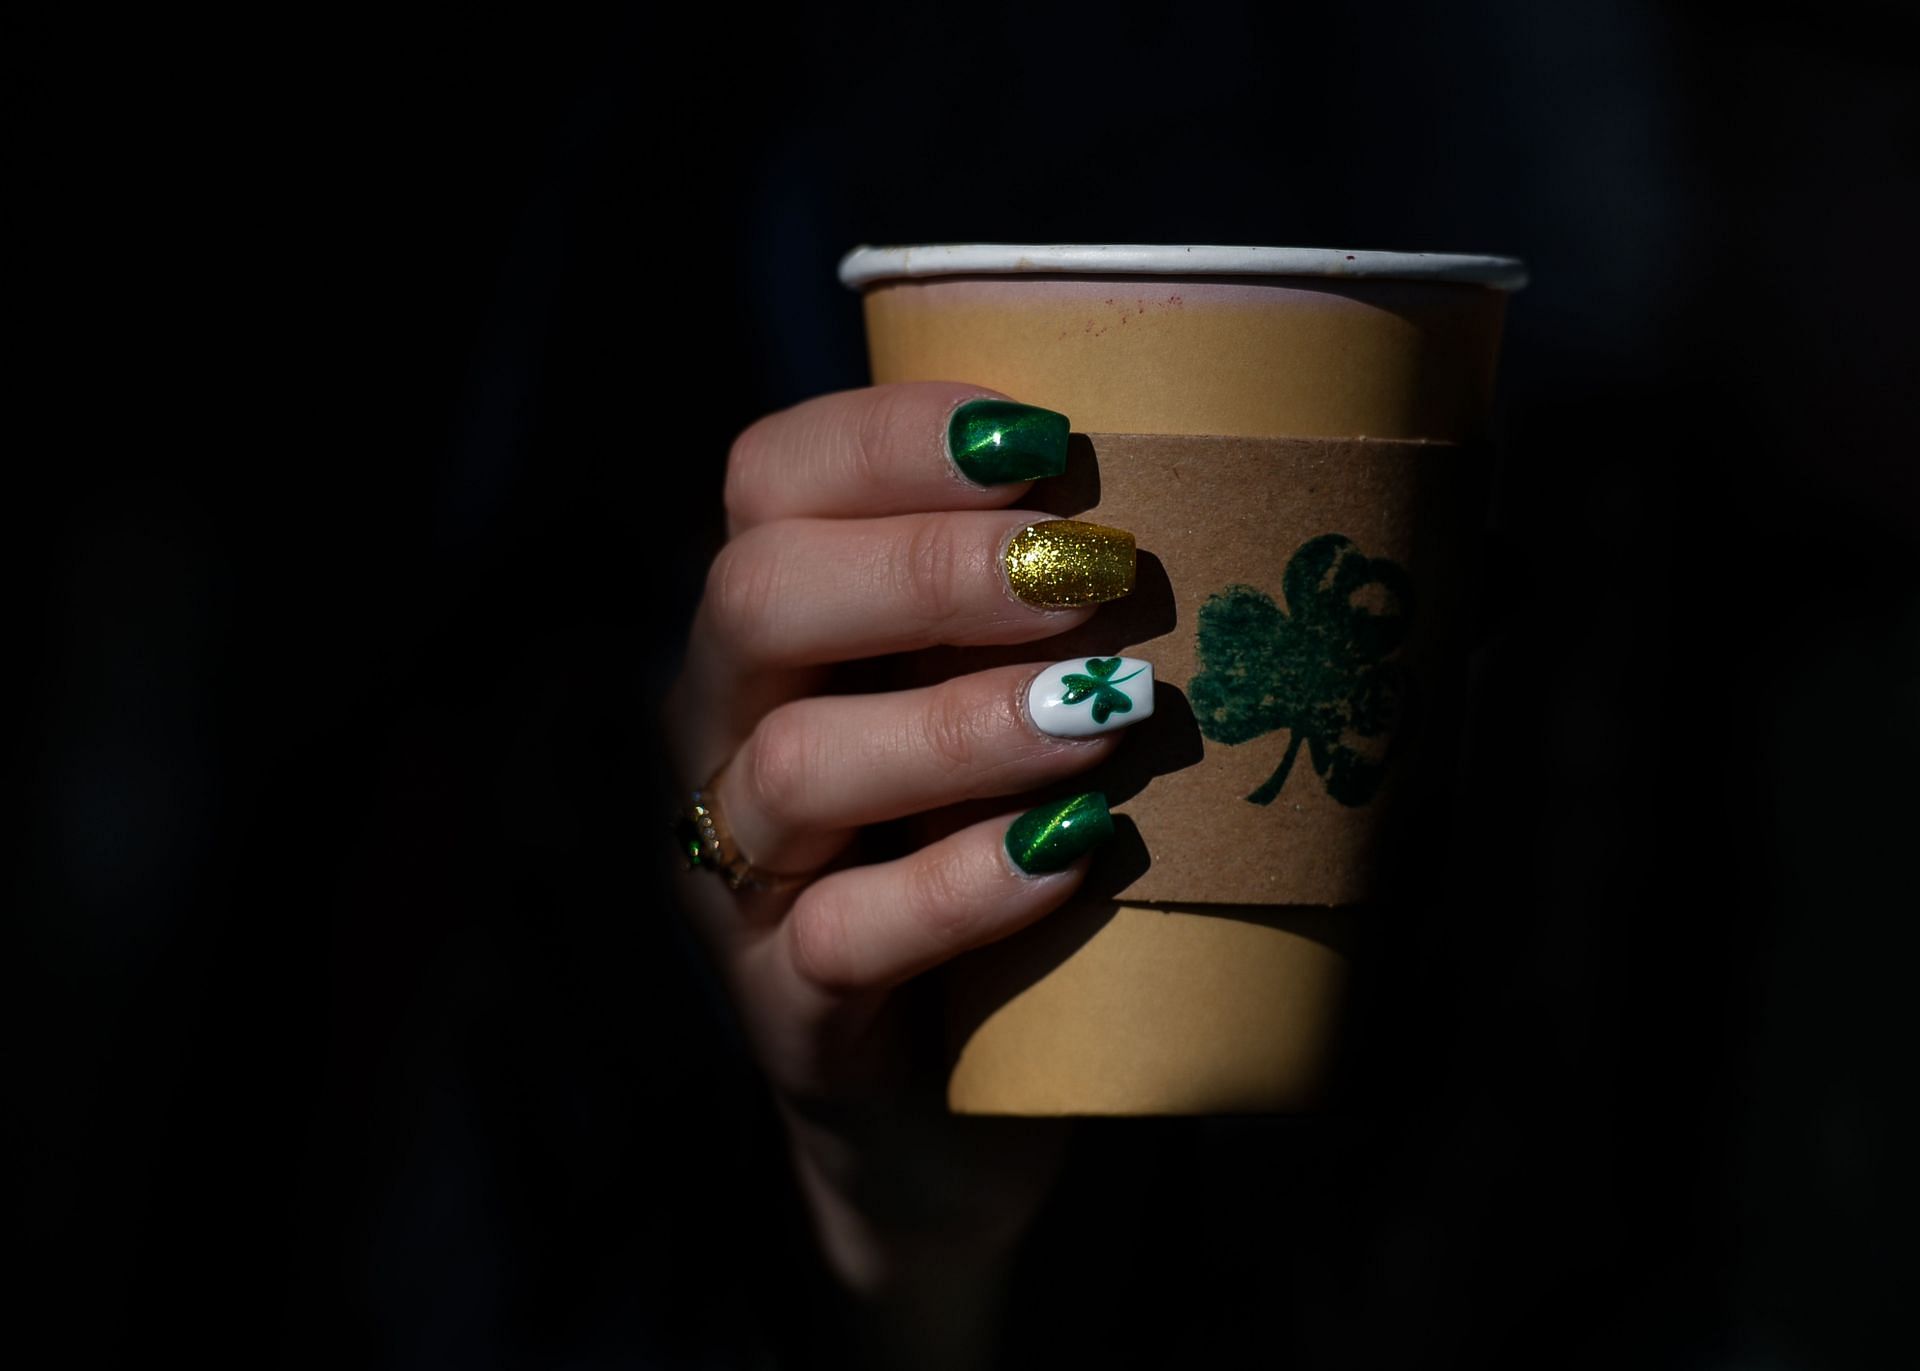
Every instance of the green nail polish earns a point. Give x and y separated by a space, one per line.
1056 835
997 441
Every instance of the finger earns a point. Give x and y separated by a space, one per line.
869 928
891 449
816 769
805 592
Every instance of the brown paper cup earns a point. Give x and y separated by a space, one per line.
1294 437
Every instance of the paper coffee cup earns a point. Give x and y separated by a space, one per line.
1295 437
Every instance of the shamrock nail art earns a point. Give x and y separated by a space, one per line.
1089 695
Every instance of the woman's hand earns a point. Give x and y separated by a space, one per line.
861 524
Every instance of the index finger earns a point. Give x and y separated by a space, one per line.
906 448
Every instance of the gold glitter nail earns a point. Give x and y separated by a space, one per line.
1061 563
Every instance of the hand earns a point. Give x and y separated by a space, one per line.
855 534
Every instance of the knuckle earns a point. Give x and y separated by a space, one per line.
952 730
742 586
780 764
927 569
937 897
817 943
876 436
746 463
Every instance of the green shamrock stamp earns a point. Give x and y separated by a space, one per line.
1319 668
1100 688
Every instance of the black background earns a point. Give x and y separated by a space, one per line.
386 370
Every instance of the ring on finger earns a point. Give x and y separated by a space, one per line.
706 844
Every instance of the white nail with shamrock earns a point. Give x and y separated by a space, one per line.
1089 695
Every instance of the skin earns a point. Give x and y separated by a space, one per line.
852 534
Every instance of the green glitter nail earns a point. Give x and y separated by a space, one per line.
1056 835
997 441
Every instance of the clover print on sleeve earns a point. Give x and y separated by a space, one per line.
1320 668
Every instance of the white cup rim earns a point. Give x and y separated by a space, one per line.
865 266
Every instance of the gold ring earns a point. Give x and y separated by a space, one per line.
706 844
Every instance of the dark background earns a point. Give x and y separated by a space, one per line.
392 365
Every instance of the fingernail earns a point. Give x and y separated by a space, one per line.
1056 835
997 441
1090 695
1061 563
